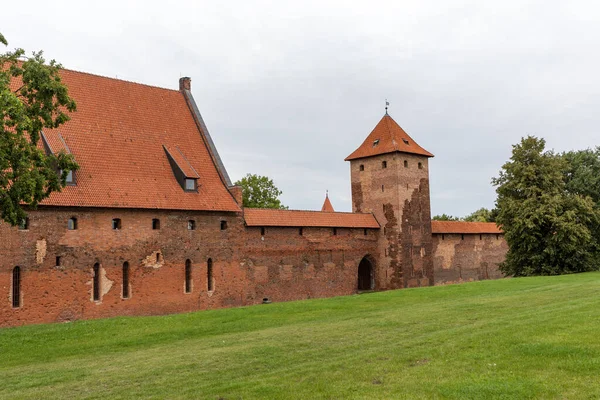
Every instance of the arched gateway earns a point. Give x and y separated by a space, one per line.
366 280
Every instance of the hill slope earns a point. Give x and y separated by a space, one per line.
514 338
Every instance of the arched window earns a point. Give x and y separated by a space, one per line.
420 166
72 224
16 287
96 282
125 280
209 275
188 276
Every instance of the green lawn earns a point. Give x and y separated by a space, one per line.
511 339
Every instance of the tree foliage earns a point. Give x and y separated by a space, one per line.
445 217
32 97
549 230
482 215
260 192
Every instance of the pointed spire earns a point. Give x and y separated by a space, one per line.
327 204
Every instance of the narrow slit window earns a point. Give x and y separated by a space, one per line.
155 223
262 231
72 224
24 225
158 257
125 280
58 261
362 167
209 275
382 188
96 282
334 231
405 164
188 276
462 237
300 231
116 223
223 225
384 164
16 287
420 165
480 236
443 237
191 225
365 232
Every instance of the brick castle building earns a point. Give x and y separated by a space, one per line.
151 223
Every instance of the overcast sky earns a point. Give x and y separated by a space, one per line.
289 89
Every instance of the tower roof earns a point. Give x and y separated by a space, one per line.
327 204
387 137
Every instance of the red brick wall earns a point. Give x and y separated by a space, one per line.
468 257
282 266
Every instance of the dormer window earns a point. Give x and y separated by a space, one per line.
190 185
70 178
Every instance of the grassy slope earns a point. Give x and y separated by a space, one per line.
517 338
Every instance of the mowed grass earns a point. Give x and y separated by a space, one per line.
506 339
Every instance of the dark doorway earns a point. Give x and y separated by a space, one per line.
365 275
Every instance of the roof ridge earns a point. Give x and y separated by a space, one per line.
312 211
118 79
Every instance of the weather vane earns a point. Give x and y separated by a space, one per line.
387 103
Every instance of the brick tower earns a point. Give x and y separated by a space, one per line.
390 178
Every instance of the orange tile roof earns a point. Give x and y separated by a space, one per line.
117 136
387 137
327 205
301 218
464 227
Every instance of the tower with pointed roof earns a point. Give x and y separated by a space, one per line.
390 178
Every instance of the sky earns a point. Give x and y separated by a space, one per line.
289 89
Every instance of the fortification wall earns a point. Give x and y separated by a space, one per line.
246 266
467 257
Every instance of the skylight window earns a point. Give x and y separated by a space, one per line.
375 142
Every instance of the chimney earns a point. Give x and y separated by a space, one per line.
236 192
185 83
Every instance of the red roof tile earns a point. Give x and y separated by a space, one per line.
387 137
464 227
117 136
182 162
327 205
298 218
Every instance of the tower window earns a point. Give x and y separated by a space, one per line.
384 164
125 280
188 276
361 168
155 223
420 166
223 225
116 223
24 225
191 225
16 287
209 275
405 164
96 282
72 224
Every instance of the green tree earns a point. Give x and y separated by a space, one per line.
260 192
482 215
548 229
32 97
445 217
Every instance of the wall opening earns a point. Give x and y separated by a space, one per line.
24 224
366 279
125 280
405 164
223 225
334 231
191 225
188 276
361 168
209 275
300 231
420 166
155 223
116 223
16 287
262 231
72 224
384 164
58 261
96 282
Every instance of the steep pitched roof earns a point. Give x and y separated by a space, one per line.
327 205
464 227
300 218
387 137
117 137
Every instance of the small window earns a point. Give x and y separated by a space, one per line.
125 280
58 261
116 223
480 236
262 231
158 257
443 237
70 180
155 224
16 287
420 166
209 275
497 236
191 225
223 225
375 142
24 225
96 282
384 164
334 231
382 188
405 164
362 167
462 237
190 184
300 231
365 232
188 276
405 140
72 224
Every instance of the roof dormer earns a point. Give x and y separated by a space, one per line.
54 144
186 175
